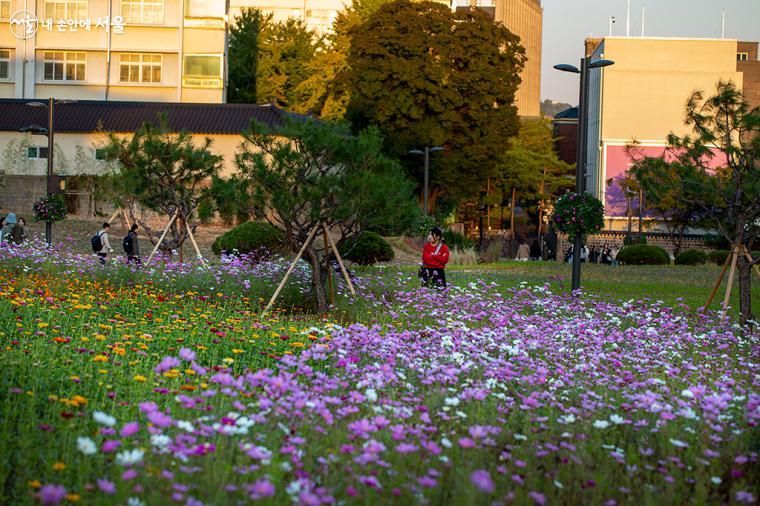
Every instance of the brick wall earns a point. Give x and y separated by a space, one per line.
18 193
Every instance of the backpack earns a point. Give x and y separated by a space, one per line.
97 243
127 243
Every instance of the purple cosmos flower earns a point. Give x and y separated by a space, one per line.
482 480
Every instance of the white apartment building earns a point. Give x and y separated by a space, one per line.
133 50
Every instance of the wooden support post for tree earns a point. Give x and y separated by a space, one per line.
340 262
751 261
290 269
329 268
734 258
114 215
717 284
161 239
126 218
195 244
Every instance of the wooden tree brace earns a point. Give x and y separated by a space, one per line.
161 239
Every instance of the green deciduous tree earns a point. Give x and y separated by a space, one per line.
436 78
726 134
306 173
245 47
168 173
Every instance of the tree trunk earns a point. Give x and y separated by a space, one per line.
317 280
745 280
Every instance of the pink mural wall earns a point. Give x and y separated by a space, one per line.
619 161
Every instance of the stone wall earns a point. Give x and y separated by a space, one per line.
611 239
18 193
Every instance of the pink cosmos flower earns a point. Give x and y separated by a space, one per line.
52 494
129 429
482 480
107 487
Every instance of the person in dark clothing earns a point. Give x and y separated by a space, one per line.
132 245
535 250
435 256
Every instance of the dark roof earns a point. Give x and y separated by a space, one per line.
94 115
569 113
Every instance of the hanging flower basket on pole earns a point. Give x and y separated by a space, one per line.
50 209
578 214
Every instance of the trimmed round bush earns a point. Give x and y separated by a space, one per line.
691 257
457 240
251 237
643 254
366 249
718 256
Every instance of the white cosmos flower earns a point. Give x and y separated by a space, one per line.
104 419
451 401
135 501
679 444
86 446
186 426
371 395
687 393
445 443
159 440
716 480
601 424
129 457
566 419
617 419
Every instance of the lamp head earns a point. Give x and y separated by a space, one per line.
600 63
565 67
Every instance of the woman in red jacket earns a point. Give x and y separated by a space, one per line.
435 256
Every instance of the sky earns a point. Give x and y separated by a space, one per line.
568 22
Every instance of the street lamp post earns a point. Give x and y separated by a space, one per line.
49 132
580 156
426 153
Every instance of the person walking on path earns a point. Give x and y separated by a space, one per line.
101 239
9 223
132 246
435 256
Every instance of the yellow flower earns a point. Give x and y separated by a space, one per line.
228 360
297 344
100 358
140 378
35 484
72 497
59 466
42 325
79 400
172 373
74 378
237 350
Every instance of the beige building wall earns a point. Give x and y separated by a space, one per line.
186 39
524 18
224 145
645 91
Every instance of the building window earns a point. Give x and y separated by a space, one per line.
205 8
146 12
202 71
100 153
742 56
36 152
5 64
5 9
64 66
140 68
66 9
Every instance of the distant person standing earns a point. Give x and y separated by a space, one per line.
435 256
100 244
613 255
18 236
132 246
9 223
523 253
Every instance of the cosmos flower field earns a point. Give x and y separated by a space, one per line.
165 386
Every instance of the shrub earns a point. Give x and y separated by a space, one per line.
718 256
457 240
366 249
256 238
492 252
466 256
691 257
632 239
643 254
717 242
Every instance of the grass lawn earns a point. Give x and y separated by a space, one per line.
673 284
